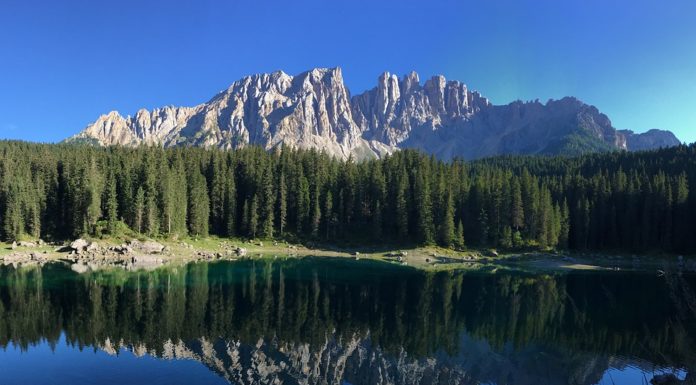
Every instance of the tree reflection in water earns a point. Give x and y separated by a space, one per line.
314 320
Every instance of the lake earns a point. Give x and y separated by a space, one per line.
337 321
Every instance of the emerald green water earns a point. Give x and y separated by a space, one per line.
337 321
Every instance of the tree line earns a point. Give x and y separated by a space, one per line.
642 202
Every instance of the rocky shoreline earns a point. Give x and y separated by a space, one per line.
85 256
91 255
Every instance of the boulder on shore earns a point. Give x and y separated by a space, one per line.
79 245
148 247
152 247
241 251
26 244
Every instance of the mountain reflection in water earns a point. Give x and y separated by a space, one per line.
332 321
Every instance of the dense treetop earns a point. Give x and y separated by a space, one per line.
642 202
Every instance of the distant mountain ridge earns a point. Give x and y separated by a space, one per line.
315 110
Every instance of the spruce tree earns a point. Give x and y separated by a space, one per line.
402 206
198 204
483 228
111 204
230 205
316 213
328 212
268 204
282 204
424 210
139 210
254 216
517 209
447 229
459 242
14 221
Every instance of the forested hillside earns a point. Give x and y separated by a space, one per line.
640 202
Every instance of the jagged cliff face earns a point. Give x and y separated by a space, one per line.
392 111
315 110
650 139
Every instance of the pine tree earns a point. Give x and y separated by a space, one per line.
506 238
517 209
483 228
564 232
316 213
198 204
447 228
424 210
282 204
93 192
111 207
402 206
33 217
245 218
179 216
302 203
151 211
231 205
681 213
268 207
253 216
166 190
217 174
151 215
139 210
459 237
14 221
328 212
376 221
545 219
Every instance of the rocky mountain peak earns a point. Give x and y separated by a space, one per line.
314 110
651 139
410 82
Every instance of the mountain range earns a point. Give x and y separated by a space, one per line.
316 110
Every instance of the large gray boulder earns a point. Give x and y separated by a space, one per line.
148 247
79 245
152 247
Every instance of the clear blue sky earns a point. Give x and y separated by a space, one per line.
63 63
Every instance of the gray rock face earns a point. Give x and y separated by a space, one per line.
650 139
315 110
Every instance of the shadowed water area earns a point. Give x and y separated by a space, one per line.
316 320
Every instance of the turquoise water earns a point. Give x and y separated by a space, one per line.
337 321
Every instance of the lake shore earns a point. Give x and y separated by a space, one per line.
132 254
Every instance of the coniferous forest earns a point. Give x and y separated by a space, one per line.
640 202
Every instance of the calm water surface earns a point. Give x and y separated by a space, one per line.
330 321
